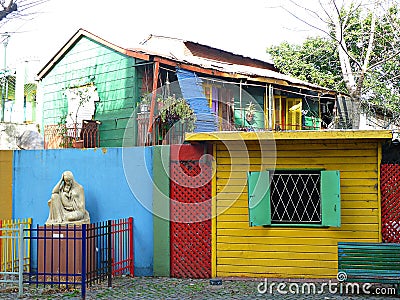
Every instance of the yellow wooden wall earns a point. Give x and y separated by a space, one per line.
288 251
6 163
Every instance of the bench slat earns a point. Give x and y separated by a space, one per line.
374 262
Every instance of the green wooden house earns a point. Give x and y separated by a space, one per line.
90 78
88 60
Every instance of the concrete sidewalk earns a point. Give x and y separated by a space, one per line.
172 288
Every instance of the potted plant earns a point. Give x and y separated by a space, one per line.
77 143
250 113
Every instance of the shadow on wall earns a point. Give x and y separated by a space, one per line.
101 173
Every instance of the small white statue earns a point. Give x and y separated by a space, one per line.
67 203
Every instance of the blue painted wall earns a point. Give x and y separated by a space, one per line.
108 193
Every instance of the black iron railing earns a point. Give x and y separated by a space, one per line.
81 255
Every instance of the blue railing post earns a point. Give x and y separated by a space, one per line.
84 254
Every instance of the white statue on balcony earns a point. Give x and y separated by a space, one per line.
67 203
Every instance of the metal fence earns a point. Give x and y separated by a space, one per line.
65 255
80 255
14 254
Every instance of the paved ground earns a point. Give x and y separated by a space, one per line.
171 288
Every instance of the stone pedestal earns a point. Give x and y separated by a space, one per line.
60 253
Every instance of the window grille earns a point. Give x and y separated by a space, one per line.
295 197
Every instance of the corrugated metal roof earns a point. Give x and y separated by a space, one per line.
176 49
191 53
198 49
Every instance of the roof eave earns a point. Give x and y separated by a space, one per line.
210 71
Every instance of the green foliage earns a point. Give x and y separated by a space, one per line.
62 130
317 60
172 110
145 99
381 84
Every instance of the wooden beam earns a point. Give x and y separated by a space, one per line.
156 69
138 55
379 148
289 135
197 69
214 214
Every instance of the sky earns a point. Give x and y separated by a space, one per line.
243 27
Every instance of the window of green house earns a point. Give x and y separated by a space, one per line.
293 198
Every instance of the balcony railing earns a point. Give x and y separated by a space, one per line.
160 135
85 135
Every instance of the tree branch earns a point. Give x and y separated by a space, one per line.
364 68
384 60
305 22
307 10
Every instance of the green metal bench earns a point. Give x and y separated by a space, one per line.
370 262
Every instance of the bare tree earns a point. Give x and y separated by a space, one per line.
333 18
10 9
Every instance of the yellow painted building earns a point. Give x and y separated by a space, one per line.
295 241
6 165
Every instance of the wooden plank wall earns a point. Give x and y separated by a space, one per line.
290 251
115 78
161 216
6 170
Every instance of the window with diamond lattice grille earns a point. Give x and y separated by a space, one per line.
293 197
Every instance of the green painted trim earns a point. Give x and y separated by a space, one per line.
259 198
161 193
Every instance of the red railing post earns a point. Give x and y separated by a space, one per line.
109 257
131 247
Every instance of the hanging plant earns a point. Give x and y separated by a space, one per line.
173 110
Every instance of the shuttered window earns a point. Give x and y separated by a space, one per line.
293 197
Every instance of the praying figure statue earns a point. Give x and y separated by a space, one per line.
67 203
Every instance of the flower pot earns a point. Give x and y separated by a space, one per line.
77 144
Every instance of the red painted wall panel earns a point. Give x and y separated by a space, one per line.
390 199
190 211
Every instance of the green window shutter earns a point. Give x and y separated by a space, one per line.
330 198
259 198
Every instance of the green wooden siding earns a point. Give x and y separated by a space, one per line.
113 74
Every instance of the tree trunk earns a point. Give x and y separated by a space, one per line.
354 84
356 110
